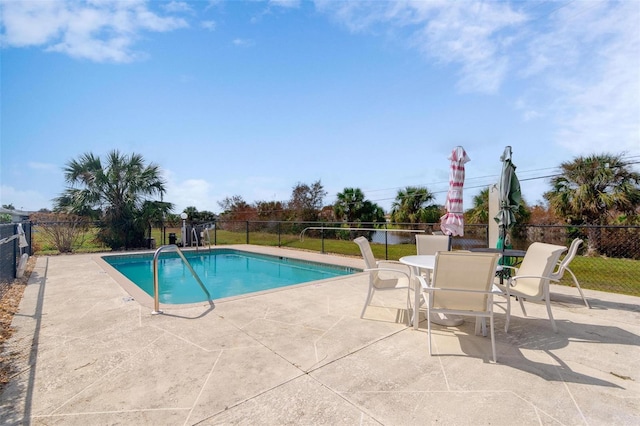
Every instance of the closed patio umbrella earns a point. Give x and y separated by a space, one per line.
452 223
509 197
22 240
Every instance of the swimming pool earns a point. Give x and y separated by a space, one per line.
224 272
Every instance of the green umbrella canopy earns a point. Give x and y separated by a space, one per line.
509 196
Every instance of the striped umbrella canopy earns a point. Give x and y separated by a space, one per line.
509 196
452 223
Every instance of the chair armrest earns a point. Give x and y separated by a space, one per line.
515 278
397 271
393 263
461 290
423 283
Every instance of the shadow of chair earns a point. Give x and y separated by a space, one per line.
531 280
384 275
563 266
462 285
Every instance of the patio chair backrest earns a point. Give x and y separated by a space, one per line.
369 259
463 271
431 244
365 250
536 268
562 266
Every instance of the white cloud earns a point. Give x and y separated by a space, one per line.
48 167
576 62
204 192
473 35
477 36
242 42
178 6
528 111
190 192
28 200
589 59
208 25
98 30
289 4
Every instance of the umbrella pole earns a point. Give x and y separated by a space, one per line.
502 239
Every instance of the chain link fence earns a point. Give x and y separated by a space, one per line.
10 252
609 259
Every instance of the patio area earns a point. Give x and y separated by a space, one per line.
93 354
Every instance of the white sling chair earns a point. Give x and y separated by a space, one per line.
384 275
531 280
431 244
563 265
462 285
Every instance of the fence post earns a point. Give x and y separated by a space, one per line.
279 233
247 232
322 238
486 232
386 243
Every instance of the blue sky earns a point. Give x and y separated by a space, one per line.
251 98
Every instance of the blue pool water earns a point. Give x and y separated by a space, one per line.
224 272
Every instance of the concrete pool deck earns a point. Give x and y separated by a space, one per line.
90 353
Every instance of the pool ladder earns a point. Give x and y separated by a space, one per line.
156 287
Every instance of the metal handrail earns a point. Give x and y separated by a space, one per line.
206 237
194 238
156 286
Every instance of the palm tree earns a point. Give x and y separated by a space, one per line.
349 204
592 190
409 205
117 192
154 214
479 213
352 207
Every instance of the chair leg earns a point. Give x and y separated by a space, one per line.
366 303
506 323
429 330
575 281
412 316
553 322
524 312
493 340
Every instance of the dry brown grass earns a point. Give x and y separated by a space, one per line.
9 303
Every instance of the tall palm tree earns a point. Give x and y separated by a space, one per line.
349 204
592 190
479 213
410 204
353 207
116 191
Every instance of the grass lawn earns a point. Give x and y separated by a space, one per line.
597 273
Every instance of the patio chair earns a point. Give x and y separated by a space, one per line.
383 275
430 244
462 285
531 279
563 265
